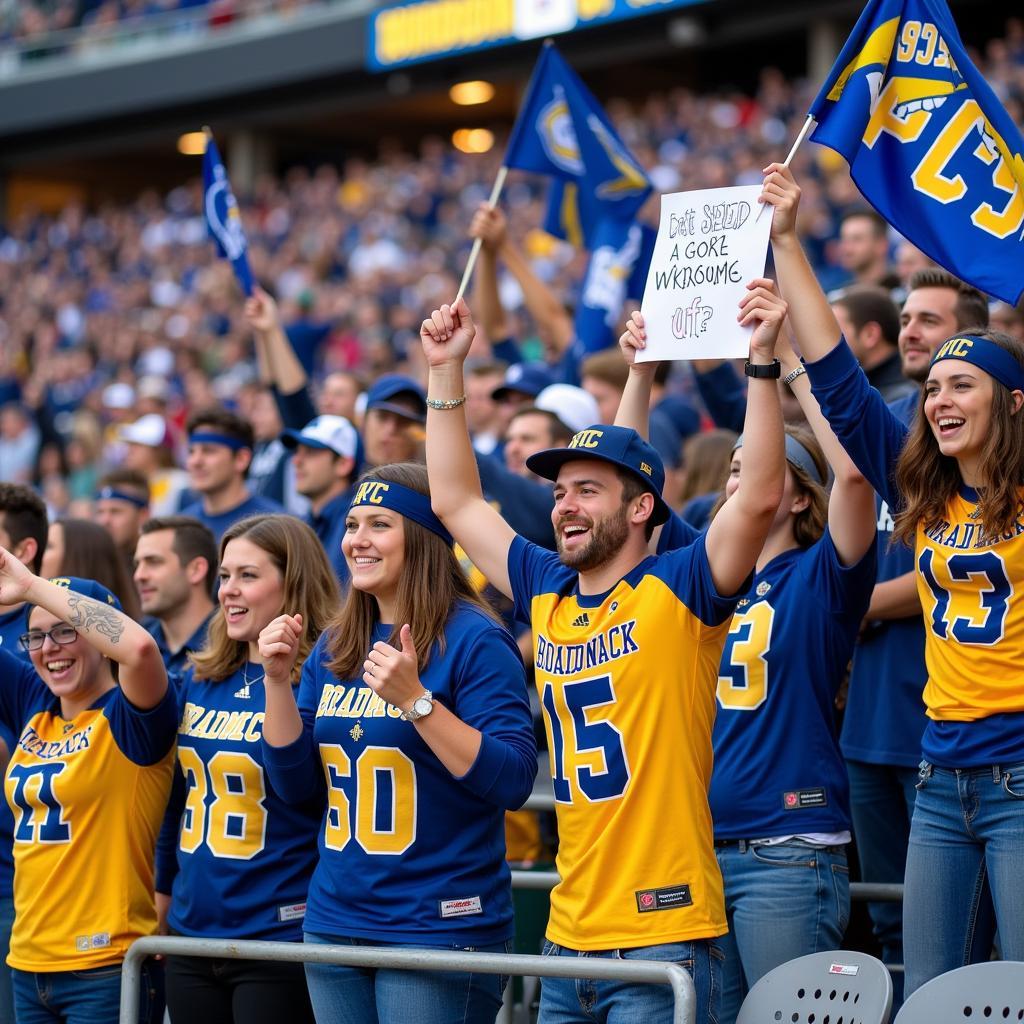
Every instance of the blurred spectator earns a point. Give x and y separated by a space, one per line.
122 508
396 411
19 444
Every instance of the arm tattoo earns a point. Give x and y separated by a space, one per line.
89 616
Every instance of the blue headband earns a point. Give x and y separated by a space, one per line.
797 455
403 500
987 356
211 437
113 494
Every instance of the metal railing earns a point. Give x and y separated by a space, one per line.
643 972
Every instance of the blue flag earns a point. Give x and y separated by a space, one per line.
562 132
223 221
928 143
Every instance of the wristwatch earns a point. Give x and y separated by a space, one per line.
771 371
421 707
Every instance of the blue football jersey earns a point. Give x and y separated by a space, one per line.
408 852
778 770
245 854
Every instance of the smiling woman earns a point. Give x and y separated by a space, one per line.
88 781
242 854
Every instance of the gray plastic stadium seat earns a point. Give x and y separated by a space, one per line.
823 988
979 993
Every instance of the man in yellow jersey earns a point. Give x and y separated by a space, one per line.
626 652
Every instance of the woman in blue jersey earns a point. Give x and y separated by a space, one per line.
779 796
245 853
88 781
956 477
412 729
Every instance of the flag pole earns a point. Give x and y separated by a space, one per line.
499 184
804 132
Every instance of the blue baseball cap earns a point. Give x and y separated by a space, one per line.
620 446
87 588
526 378
385 389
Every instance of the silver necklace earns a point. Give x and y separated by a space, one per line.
244 691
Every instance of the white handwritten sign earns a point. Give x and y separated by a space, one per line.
710 244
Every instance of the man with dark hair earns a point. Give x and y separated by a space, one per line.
864 249
175 571
325 461
870 322
220 446
122 506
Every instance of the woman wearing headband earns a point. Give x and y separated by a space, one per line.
955 478
413 729
88 782
779 795
243 852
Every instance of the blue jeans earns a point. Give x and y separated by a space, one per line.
572 1001
964 869
364 995
84 997
882 804
781 902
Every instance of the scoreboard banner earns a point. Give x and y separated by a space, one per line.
422 30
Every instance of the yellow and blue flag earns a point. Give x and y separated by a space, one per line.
562 132
928 143
223 221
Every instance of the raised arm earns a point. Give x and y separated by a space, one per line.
738 532
851 505
635 405
856 412
142 675
279 366
455 492
490 226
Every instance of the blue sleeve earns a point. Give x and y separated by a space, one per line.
531 571
844 589
872 436
697 511
676 533
144 737
490 695
167 840
20 688
525 504
724 396
507 350
294 770
688 573
296 409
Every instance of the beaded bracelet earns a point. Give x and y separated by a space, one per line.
445 403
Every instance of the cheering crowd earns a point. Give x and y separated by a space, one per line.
275 576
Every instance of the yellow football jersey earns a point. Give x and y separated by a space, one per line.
627 682
88 797
974 628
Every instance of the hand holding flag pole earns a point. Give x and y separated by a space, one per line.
499 184
804 132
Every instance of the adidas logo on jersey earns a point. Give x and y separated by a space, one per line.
581 620
243 693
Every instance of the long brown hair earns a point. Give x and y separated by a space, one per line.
810 522
432 581
90 554
928 480
309 588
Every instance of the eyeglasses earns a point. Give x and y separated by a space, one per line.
62 634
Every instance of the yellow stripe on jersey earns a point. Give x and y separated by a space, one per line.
974 619
86 820
628 691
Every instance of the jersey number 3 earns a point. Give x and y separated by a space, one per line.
598 737
969 615
743 674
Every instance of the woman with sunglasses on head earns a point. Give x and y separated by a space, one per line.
245 852
414 704
955 478
88 781
781 808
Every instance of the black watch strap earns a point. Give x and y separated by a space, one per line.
771 371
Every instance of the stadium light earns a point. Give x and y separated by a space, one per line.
473 140
192 144
469 94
